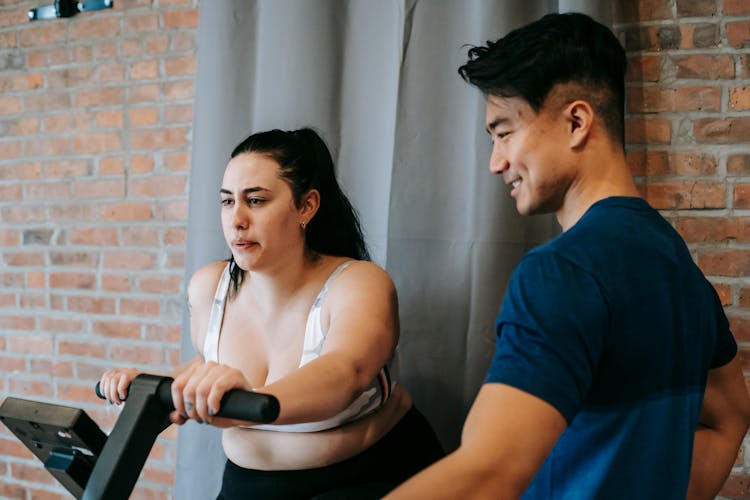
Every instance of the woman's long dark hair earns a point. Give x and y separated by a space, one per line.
305 163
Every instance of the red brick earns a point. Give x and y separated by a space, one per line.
10 105
138 307
129 260
736 7
160 284
696 8
739 98
115 283
709 229
118 329
140 117
20 171
105 96
141 355
75 76
30 388
178 114
158 139
51 368
141 164
641 10
114 188
139 237
164 333
736 486
144 70
7 300
66 168
175 210
9 237
180 19
721 262
183 41
157 186
10 193
144 93
722 131
111 165
23 259
109 119
179 66
136 24
41 34
105 50
48 146
46 102
158 44
33 301
742 196
114 72
13 448
79 120
177 91
738 34
82 349
126 211
100 236
66 325
96 143
665 196
72 280
38 494
19 323
11 364
745 298
86 28
91 305
13 491
175 236
740 328
77 393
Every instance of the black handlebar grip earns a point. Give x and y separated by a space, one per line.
236 403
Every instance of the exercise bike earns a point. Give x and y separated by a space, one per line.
94 466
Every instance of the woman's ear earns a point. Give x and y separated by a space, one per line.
580 117
309 205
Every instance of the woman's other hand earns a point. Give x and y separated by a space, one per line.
115 383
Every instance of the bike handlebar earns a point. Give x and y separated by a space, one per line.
236 403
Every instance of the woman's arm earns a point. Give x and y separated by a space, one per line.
361 311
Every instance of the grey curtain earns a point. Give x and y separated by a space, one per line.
379 81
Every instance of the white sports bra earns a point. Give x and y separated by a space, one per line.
372 398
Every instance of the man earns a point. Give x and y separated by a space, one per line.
615 373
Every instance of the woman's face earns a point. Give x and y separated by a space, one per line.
261 222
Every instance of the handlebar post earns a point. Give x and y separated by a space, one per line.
129 444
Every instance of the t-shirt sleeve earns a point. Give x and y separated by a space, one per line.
552 330
726 346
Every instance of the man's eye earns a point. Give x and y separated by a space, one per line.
255 201
226 202
502 135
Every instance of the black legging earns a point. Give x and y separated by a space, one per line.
408 448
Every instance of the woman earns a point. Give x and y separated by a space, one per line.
297 312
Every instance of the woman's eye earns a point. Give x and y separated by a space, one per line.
255 201
502 135
226 202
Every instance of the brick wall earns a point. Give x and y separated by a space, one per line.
688 135
95 134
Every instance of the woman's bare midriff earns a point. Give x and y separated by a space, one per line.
271 450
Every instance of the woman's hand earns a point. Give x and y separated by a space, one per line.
197 391
115 383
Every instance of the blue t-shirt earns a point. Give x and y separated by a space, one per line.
613 324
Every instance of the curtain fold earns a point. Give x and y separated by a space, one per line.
378 80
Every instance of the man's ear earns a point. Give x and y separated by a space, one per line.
580 117
309 204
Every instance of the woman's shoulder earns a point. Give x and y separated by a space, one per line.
362 275
204 281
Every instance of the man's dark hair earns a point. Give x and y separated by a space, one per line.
556 49
305 163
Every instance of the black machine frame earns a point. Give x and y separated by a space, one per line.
93 466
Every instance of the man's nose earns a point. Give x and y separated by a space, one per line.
498 160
